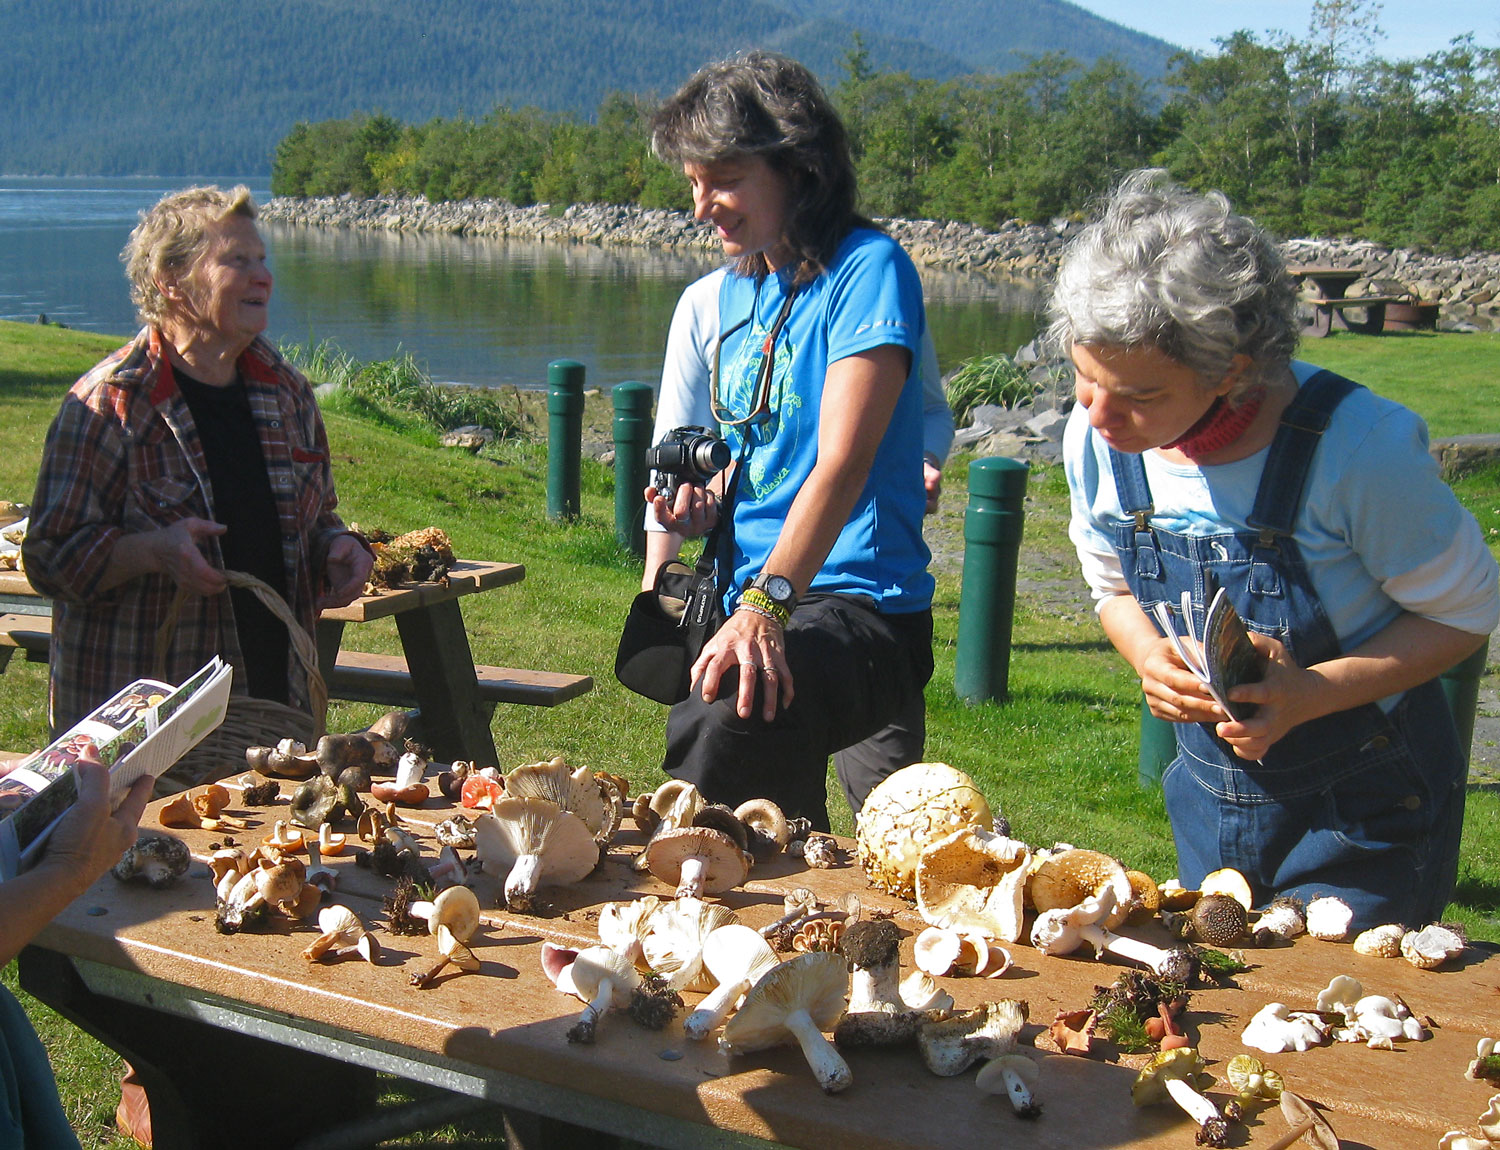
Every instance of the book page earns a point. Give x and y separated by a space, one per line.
1232 658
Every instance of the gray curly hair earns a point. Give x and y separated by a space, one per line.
172 236
1168 268
765 104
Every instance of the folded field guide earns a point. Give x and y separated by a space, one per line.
1221 655
141 730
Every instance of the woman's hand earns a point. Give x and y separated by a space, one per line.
180 558
1286 696
1172 691
91 838
693 513
757 646
346 570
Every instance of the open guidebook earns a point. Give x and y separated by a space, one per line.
141 730
1222 655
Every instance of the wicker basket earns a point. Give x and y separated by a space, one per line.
249 721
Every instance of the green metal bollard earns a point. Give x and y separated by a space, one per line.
632 430
992 542
1461 687
1158 747
564 437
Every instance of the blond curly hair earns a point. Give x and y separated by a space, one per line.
172 236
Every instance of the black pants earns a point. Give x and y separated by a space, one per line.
855 671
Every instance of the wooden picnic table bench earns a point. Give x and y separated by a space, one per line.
435 673
201 1013
1330 305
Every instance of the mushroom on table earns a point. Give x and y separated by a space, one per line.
738 957
795 1001
697 860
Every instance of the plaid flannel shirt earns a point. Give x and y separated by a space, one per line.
123 456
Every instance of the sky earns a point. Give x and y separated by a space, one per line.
1413 28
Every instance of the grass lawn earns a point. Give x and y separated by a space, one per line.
1059 757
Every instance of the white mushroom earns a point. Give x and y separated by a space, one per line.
622 925
973 881
909 811
1284 919
533 842
452 918
737 956
920 993
795 1001
342 932
602 979
1275 1028
1431 947
1340 995
1057 932
1380 941
575 790
952 1045
673 943
1015 1076
1329 919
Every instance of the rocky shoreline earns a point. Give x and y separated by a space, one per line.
1466 288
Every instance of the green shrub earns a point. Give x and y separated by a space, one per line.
399 386
995 379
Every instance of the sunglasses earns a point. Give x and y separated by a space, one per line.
760 404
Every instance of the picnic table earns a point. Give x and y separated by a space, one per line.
213 1020
1330 306
435 672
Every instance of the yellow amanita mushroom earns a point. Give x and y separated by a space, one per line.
908 812
1063 879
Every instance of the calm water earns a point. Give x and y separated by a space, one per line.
485 312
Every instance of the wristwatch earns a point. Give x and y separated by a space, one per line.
777 588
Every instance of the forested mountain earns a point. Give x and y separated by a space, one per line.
191 86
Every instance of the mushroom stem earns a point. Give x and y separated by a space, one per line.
521 883
875 988
690 878
713 1009
588 1021
791 918
1130 949
1200 1109
1020 1094
828 1066
423 979
1292 1135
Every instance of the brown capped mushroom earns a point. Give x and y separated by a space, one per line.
1063 879
1217 919
697 860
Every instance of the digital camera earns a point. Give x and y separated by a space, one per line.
686 455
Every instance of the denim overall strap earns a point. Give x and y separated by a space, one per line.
1278 500
1135 501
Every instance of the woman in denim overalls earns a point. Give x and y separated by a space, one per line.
1201 456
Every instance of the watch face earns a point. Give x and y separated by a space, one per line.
779 587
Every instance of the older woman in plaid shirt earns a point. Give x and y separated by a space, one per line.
193 449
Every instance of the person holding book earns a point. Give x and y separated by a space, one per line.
193 449
814 380
87 842
1202 455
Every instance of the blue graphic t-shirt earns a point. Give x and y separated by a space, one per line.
870 296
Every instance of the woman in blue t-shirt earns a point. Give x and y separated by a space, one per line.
1201 456
816 388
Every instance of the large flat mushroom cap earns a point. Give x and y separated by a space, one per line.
950 1046
573 790
816 982
972 881
514 827
675 937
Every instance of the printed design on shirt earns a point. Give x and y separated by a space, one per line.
767 470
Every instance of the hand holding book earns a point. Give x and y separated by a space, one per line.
1221 656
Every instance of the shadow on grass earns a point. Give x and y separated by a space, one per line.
1480 896
1083 645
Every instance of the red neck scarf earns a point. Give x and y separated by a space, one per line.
1220 426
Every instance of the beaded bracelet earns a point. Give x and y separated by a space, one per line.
762 612
758 600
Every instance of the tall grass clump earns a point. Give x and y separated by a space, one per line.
987 379
400 386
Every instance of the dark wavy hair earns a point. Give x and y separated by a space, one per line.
764 104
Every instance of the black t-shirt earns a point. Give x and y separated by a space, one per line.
243 503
